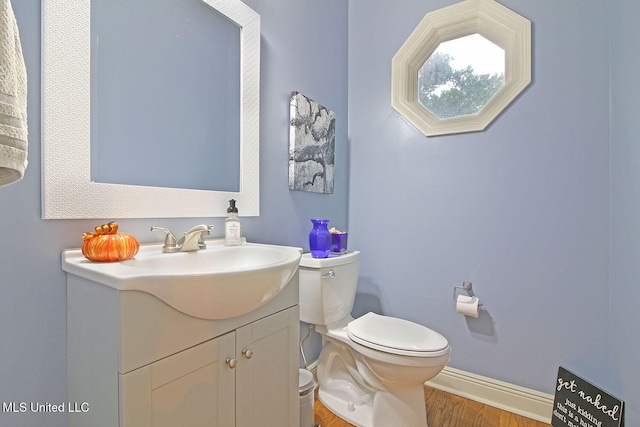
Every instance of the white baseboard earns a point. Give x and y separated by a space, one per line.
509 397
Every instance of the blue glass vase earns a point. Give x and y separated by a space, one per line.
320 239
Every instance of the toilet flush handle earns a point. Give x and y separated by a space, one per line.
330 275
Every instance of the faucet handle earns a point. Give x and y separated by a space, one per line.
208 229
202 228
169 240
205 232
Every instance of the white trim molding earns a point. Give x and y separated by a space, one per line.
509 397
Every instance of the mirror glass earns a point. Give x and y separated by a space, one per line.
157 123
156 91
461 76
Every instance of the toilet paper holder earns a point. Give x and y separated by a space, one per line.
466 287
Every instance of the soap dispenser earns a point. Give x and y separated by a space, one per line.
232 227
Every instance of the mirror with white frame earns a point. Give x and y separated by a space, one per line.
439 97
71 186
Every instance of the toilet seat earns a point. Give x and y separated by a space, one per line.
397 336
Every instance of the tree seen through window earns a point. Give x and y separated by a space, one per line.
449 92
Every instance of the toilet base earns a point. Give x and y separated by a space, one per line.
384 410
358 415
366 387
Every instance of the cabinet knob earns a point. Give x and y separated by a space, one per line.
231 362
248 353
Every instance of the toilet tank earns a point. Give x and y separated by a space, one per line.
328 287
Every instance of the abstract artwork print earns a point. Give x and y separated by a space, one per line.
312 134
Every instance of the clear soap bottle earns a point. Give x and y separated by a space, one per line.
232 226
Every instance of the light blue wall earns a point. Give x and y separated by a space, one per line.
521 210
530 210
540 211
304 48
625 205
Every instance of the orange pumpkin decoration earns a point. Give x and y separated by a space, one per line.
107 245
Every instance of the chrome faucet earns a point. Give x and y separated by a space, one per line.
192 240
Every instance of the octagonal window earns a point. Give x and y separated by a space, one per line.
461 76
440 79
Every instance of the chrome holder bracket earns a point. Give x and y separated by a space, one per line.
466 287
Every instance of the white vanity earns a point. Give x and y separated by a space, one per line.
136 361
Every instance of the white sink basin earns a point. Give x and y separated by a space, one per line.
219 282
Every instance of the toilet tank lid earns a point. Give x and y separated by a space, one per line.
395 333
332 261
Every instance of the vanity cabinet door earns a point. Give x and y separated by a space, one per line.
194 388
267 372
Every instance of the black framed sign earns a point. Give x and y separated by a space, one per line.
578 403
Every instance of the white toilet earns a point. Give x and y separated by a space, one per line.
371 370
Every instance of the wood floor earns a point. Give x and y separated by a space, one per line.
445 410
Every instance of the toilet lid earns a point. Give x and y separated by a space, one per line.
394 335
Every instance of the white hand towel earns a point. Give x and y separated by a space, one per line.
13 99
